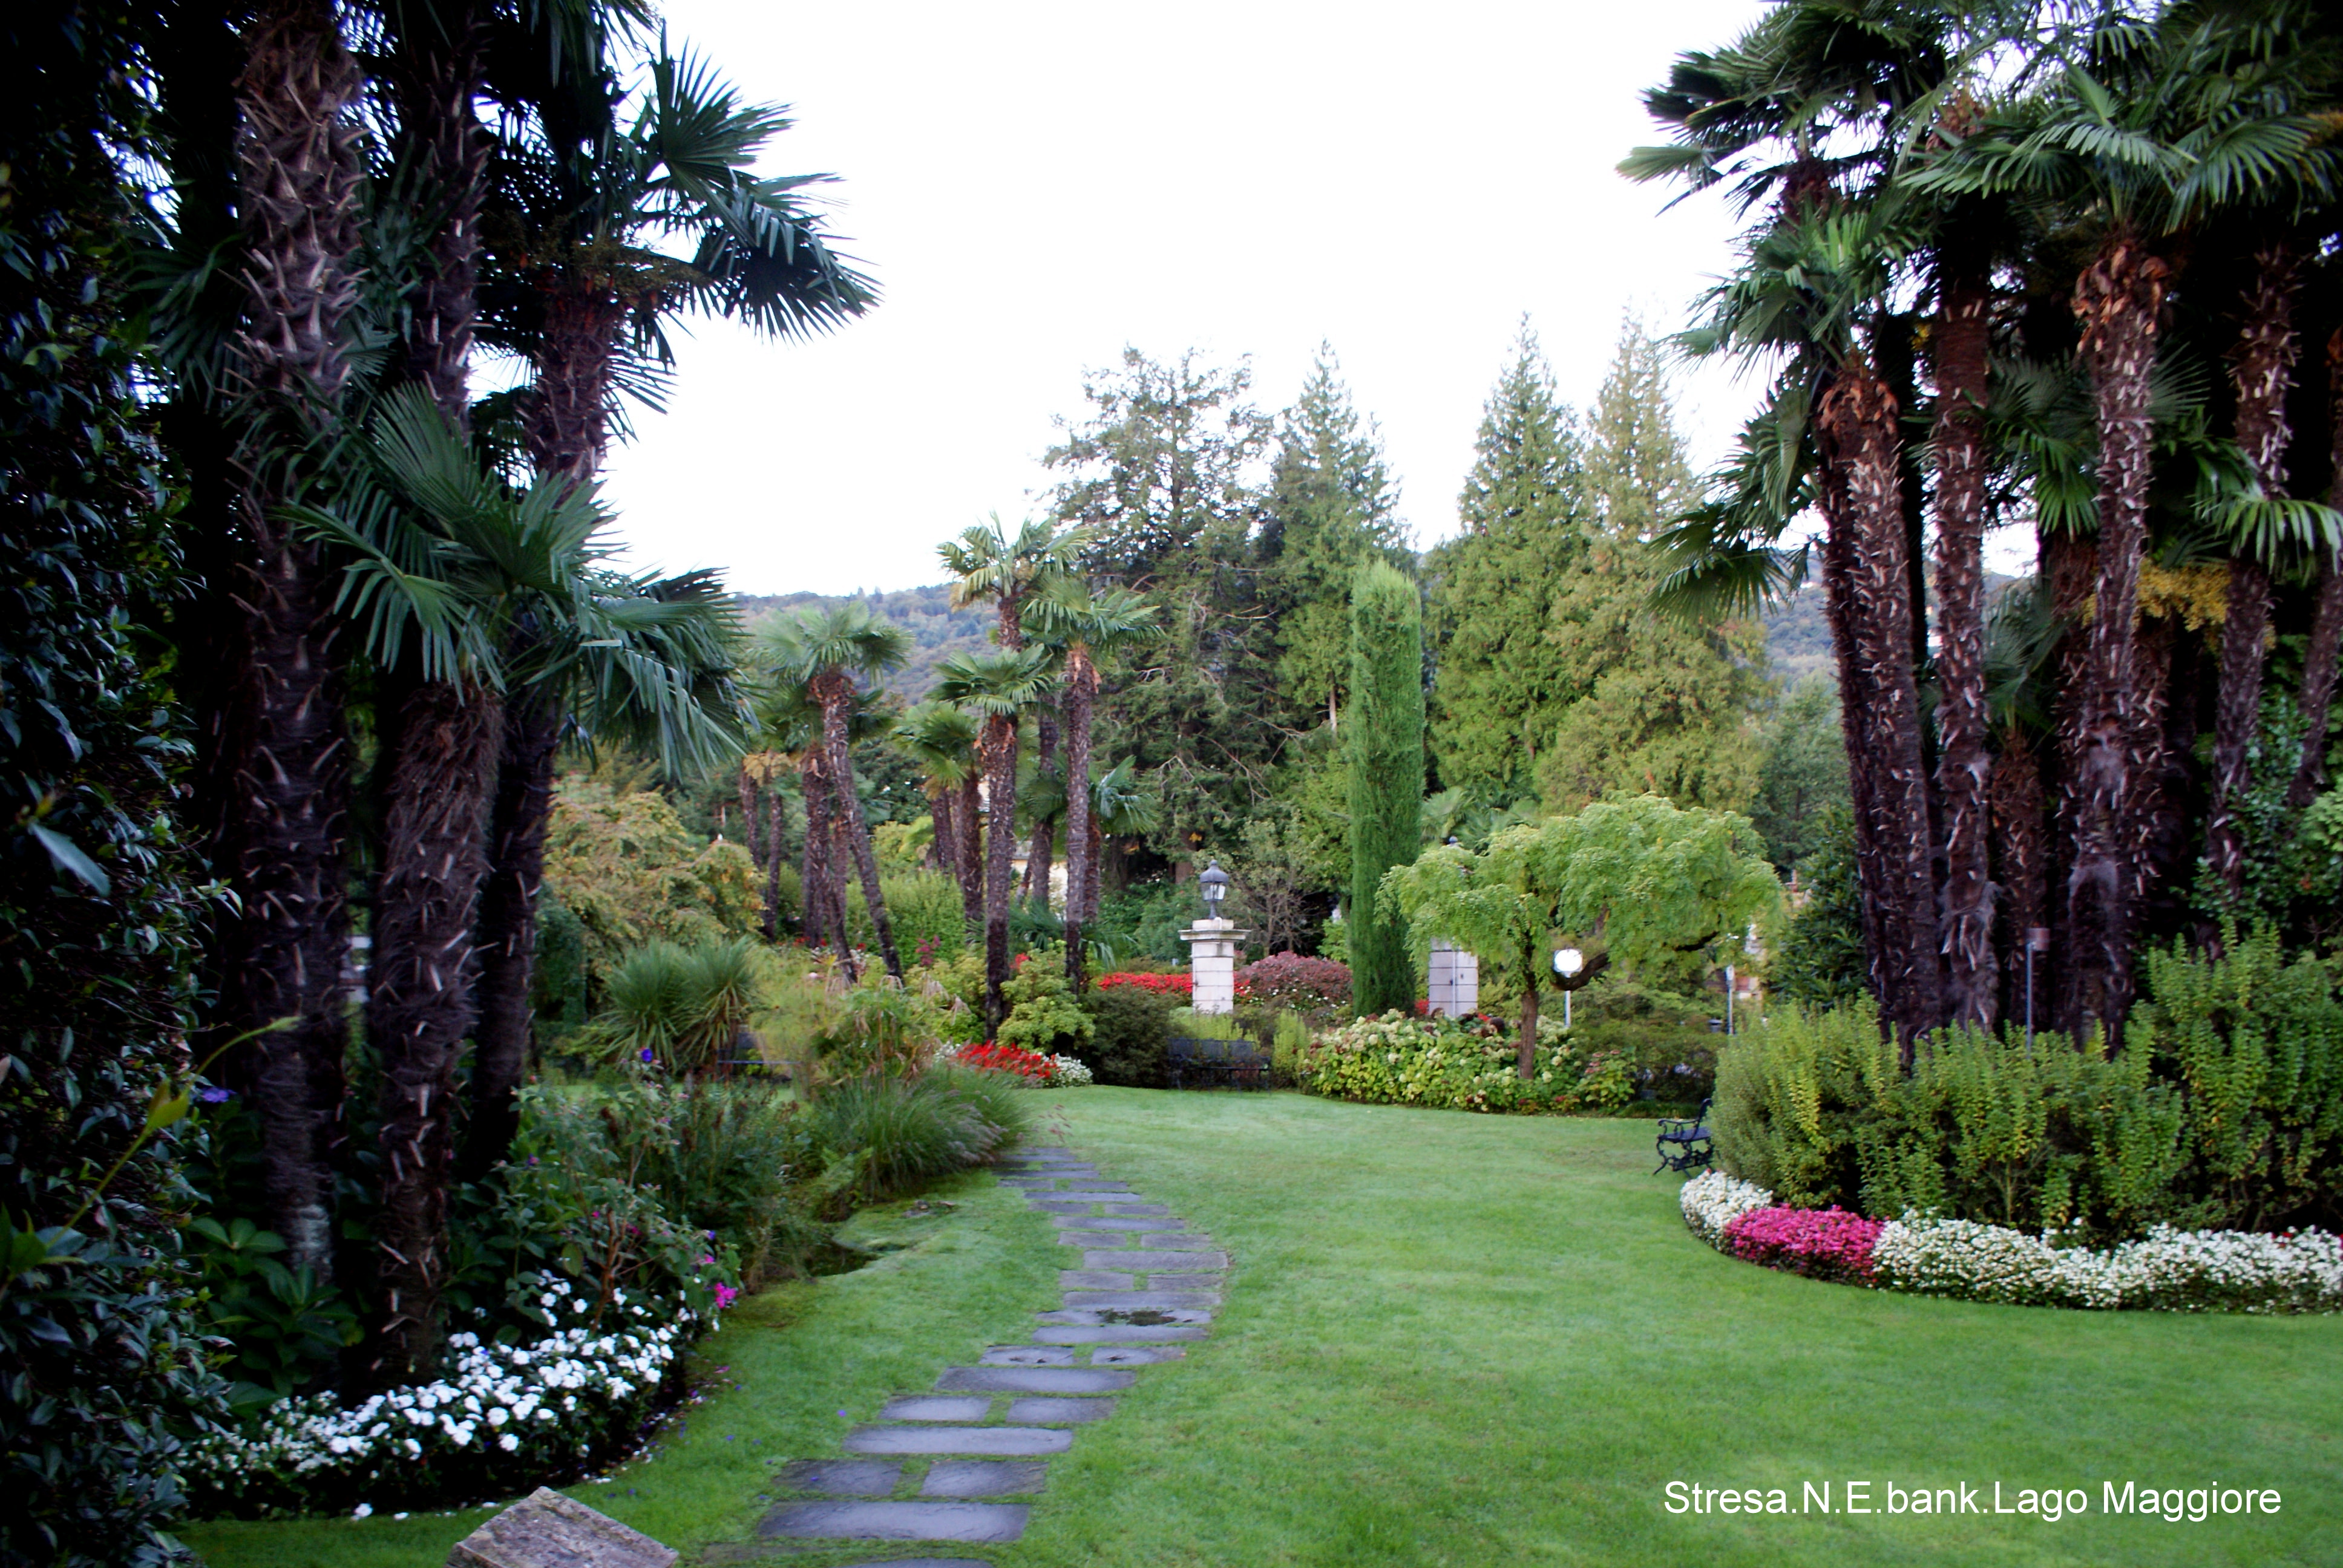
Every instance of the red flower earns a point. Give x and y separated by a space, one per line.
1005 1058
1161 985
1822 1243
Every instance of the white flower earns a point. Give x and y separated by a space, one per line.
362 1509
497 1416
509 1443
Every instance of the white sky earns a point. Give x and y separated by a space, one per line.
1035 185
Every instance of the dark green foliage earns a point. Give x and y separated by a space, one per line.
1661 1035
1128 1027
886 1135
98 1368
1804 776
2293 878
2224 1111
1821 963
558 981
2255 1045
1385 736
1141 923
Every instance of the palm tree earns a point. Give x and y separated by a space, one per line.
1120 809
996 687
829 652
284 766
1067 615
942 739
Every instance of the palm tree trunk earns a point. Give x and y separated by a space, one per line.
419 1007
971 851
2261 371
1882 930
1045 832
507 935
567 424
943 843
772 868
999 750
1856 431
282 843
2021 856
437 78
1964 766
836 694
2118 298
1082 857
2326 619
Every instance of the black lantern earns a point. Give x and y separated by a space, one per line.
1215 885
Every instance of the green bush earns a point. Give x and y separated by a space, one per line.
680 1007
1128 1027
925 909
2225 1111
1660 1037
884 1135
1460 1064
1042 1013
1822 961
2254 1045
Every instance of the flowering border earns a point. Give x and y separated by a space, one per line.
2166 1271
1043 1071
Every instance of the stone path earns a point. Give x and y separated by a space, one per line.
948 1466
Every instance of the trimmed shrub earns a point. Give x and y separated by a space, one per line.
1128 1027
1318 989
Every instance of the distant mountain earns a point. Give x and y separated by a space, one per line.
938 630
1798 638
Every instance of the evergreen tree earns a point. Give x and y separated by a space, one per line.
1386 754
1525 512
1331 506
1664 705
1164 478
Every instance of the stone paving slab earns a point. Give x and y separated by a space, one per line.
1100 1318
1095 1280
842 1477
1060 1206
1007 1442
983 1477
1159 1209
1119 1334
1135 1355
935 1407
1176 1241
1185 1281
1109 1223
1098 1192
1142 1301
1027 1356
1160 1258
983 1521
1060 1412
1033 1380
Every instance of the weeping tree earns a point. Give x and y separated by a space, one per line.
1384 744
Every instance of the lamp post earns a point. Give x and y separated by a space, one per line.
1215 885
2037 940
1567 961
1213 944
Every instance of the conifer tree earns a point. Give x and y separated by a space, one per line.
1385 738
1525 512
1331 506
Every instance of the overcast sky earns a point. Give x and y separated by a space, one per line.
1035 186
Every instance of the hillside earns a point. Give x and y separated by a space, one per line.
938 630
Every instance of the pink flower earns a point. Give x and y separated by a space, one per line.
1821 1243
725 1296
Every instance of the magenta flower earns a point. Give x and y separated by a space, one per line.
1821 1243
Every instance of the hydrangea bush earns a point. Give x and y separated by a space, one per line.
504 1419
1453 1064
2165 1271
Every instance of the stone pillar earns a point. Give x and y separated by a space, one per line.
1212 948
1454 980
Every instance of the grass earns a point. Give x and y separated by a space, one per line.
1464 1340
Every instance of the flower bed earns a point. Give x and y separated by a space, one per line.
1316 986
1453 1064
1044 1070
505 1418
2165 1271
1181 984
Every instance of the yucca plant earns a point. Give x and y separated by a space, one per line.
679 1008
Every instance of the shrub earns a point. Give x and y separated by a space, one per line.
1318 988
1042 1013
1788 1098
1128 1027
1460 1065
681 1008
624 864
885 1135
924 907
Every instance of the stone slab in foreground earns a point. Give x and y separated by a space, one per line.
547 1530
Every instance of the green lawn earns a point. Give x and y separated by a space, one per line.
1469 1339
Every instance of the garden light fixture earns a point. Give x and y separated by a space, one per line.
1567 961
1215 885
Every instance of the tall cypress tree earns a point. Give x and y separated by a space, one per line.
1385 737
